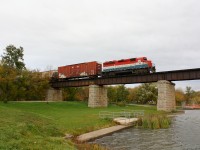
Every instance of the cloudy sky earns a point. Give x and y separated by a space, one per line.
61 32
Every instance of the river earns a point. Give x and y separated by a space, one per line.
184 134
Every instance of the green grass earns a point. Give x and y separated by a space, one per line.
37 125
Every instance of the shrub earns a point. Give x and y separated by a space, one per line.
122 103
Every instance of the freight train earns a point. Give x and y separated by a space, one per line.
94 69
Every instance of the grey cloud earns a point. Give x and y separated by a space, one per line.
65 32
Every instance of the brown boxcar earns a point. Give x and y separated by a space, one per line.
88 69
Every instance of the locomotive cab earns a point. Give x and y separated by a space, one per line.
153 69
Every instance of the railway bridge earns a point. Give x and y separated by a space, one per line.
98 91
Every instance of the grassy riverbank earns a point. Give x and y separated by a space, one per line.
38 125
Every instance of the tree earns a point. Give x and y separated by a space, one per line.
8 87
11 65
118 93
13 57
17 82
121 93
196 98
179 96
189 94
83 94
111 93
32 85
132 97
147 93
70 93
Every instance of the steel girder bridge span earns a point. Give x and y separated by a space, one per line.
166 89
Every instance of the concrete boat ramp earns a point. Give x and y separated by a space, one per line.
99 133
102 132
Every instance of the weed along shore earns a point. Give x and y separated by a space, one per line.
32 125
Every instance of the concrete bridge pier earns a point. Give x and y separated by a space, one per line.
54 95
166 96
97 96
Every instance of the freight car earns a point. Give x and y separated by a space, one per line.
94 69
89 69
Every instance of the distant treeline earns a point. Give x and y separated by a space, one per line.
17 83
143 94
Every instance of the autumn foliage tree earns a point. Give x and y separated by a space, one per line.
179 96
76 93
196 98
118 93
7 86
32 85
189 94
16 82
11 67
147 94
132 97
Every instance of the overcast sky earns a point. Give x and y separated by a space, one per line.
62 32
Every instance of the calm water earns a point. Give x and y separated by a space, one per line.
184 134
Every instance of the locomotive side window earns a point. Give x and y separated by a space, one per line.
145 58
110 62
133 59
121 60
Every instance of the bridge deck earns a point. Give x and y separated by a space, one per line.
176 75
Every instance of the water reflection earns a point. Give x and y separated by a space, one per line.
184 134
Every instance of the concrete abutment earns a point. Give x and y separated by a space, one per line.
97 96
166 96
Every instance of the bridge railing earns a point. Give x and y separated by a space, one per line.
126 114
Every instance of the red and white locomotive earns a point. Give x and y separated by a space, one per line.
140 65
128 66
